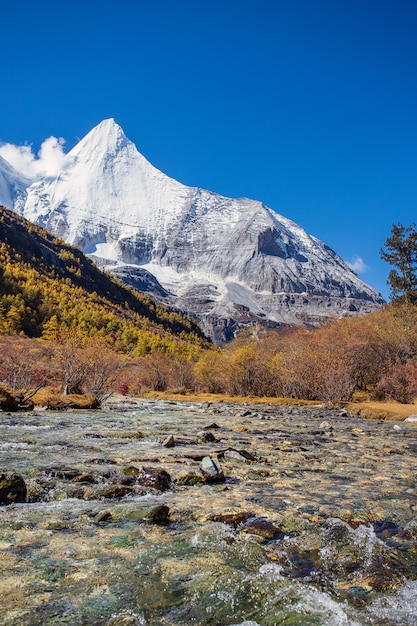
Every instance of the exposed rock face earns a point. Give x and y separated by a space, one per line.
227 262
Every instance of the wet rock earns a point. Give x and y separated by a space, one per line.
239 455
127 480
64 473
335 530
131 470
205 437
113 492
212 426
154 478
211 470
384 529
73 492
101 461
189 479
103 516
261 527
158 515
12 488
85 478
231 519
169 442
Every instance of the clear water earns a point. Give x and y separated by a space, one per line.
342 499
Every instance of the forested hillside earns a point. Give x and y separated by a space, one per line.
47 287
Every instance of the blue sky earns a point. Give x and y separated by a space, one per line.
307 105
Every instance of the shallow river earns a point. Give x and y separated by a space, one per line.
315 522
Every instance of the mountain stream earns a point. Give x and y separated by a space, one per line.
308 516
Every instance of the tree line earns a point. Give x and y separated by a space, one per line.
96 354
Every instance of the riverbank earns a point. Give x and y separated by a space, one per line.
367 409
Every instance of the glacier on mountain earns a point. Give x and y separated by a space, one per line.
228 262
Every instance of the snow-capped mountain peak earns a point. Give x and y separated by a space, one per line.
226 261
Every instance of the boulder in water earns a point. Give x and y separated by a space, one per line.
12 488
154 478
211 470
158 515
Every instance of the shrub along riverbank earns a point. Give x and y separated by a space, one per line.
373 357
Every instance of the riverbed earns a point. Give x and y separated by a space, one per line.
308 516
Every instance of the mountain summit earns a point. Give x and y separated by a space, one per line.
227 262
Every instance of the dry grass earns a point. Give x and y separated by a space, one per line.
384 410
219 397
60 402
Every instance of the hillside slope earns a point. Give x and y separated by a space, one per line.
46 285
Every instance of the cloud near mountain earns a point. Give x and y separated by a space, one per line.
47 162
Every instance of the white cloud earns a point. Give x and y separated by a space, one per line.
358 265
47 162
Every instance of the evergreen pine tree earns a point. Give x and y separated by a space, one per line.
401 252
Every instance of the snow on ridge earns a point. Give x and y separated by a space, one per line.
111 202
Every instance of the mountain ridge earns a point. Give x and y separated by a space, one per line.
228 262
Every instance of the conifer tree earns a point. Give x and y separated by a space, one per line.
401 253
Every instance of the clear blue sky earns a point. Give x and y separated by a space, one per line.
307 105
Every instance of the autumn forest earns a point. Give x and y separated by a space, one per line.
68 330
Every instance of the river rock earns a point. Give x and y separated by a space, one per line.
411 418
239 455
86 478
114 492
103 516
154 478
158 515
261 527
205 437
63 473
12 488
169 442
211 470
231 519
189 479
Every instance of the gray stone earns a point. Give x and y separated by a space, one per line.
211 470
169 442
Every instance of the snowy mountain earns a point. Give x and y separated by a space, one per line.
13 187
228 262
